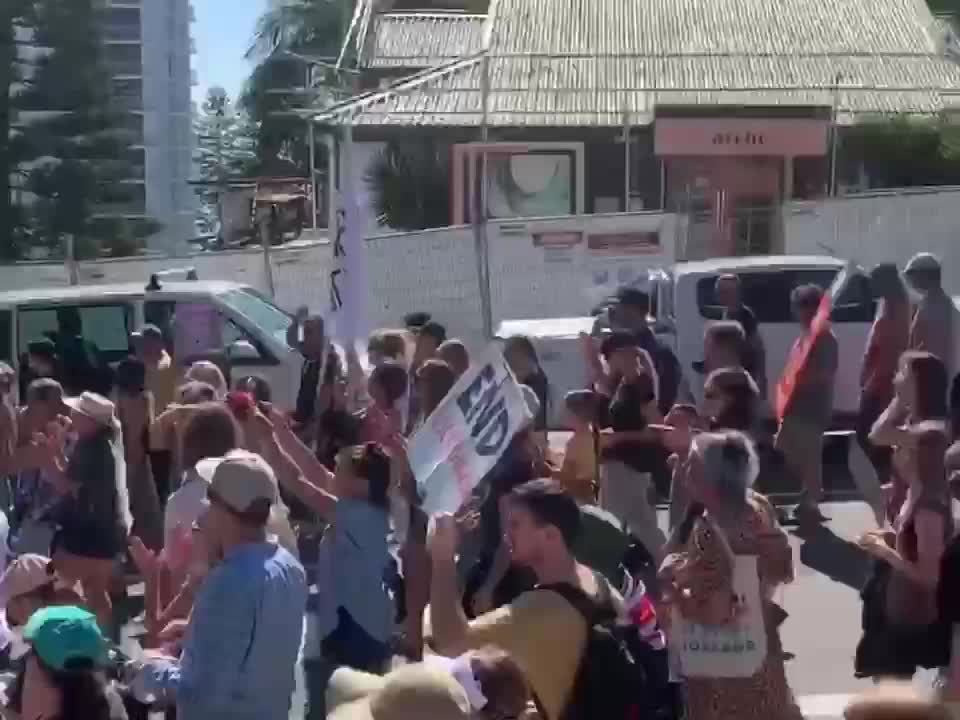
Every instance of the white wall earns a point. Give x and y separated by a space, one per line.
435 270
881 227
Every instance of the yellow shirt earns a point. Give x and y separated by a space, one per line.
579 469
544 635
161 381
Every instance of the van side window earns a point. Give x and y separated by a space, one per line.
106 327
768 295
233 333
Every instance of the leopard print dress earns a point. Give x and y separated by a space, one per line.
701 575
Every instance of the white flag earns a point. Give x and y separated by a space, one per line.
347 315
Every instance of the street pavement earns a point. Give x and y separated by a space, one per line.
823 603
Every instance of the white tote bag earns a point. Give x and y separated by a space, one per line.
735 649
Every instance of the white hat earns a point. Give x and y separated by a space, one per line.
241 480
25 575
96 407
412 692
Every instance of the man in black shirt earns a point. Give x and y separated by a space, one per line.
631 313
312 346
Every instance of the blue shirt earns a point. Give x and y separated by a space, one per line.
242 643
350 568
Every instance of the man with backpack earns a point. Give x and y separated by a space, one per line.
572 635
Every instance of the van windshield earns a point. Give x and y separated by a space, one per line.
259 311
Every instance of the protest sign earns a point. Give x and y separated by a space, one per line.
466 435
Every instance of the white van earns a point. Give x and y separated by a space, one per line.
683 303
247 327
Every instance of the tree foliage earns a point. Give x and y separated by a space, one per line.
226 143
298 29
904 152
74 151
16 18
409 186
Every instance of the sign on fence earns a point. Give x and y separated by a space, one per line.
466 435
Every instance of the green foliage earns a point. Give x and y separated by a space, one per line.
306 28
74 152
15 15
904 152
226 142
409 186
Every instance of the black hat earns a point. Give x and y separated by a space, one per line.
42 348
149 331
416 320
633 296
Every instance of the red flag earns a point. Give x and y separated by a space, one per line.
800 353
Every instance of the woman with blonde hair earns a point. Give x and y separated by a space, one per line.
901 627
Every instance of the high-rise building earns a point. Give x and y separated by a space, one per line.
148 48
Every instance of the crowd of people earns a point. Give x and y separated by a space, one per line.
267 537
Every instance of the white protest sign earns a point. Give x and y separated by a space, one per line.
466 435
349 286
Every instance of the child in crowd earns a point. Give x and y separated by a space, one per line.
579 473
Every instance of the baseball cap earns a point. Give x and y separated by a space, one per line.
25 575
923 262
150 331
43 348
64 634
633 296
412 692
243 481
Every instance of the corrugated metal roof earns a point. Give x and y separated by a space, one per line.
419 40
609 58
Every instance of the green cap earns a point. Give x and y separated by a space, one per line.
62 635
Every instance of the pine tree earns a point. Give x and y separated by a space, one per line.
77 153
15 21
225 147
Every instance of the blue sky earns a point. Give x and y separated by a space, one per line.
223 30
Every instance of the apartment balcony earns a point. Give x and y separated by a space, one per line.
121 33
122 24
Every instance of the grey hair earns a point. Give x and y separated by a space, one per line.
730 464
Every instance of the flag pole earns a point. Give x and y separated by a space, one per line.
481 239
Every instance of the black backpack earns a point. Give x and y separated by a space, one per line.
621 676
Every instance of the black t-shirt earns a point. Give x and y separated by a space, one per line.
746 317
309 385
948 590
666 365
626 415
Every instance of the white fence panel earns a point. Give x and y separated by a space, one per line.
881 227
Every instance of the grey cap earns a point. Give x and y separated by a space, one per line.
923 262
